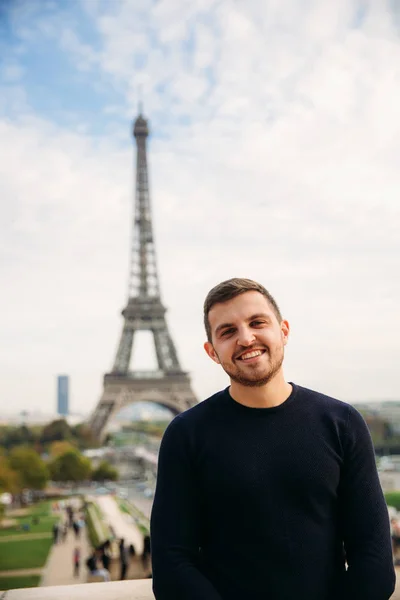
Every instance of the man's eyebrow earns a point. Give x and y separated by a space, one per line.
260 316
223 326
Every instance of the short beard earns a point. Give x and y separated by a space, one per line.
237 377
251 382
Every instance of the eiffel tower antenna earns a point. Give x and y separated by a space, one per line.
168 385
140 104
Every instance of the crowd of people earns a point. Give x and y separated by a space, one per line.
74 520
99 561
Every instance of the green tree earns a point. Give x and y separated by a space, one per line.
16 436
9 480
105 472
57 430
70 466
31 469
59 448
83 436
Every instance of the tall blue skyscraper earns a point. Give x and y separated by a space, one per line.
63 395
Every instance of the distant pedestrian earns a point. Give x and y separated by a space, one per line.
70 514
76 528
146 551
56 531
122 559
77 561
105 555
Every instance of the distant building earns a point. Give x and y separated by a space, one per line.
63 395
387 410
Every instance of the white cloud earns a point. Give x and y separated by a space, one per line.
84 55
287 171
11 72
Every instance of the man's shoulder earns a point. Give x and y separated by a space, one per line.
326 403
199 412
330 412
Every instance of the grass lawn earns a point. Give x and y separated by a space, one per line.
24 554
141 521
45 525
11 583
41 511
41 508
122 506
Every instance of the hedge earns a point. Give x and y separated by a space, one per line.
393 499
97 529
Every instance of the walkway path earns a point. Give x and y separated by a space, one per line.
122 523
143 504
59 569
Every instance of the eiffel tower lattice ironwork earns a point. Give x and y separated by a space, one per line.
169 385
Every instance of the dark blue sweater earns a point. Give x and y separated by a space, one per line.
262 503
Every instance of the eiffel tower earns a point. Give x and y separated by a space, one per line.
169 385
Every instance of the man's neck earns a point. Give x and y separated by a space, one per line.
273 393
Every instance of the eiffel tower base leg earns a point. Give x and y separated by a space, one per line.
170 391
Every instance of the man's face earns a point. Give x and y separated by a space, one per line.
247 339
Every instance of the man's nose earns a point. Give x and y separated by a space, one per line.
246 337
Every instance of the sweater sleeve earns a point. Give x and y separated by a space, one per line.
176 524
364 519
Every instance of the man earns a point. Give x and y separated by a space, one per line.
122 559
56 532
266 490
77 560
104 551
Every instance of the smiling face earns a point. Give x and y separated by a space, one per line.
247 339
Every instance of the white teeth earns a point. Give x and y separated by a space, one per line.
251 354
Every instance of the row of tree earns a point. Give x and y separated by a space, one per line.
385 435
41 436
153 428
24 468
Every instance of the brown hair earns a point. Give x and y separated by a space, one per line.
230 289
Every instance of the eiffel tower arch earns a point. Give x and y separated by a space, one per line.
168 385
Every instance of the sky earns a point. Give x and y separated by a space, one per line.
274 155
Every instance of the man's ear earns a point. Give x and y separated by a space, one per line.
285 328
209 348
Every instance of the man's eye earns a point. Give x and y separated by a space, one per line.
257 323
227 332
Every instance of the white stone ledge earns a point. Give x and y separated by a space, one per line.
139 589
